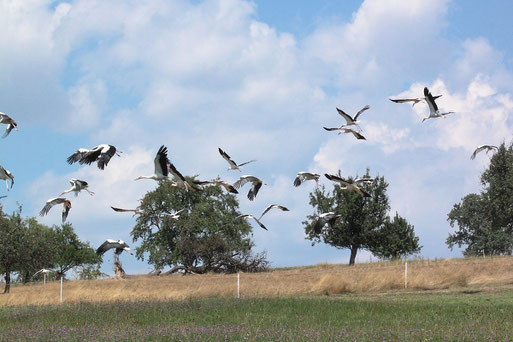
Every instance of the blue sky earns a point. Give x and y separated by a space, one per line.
258 79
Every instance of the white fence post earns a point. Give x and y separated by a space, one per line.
61 290
238 285
406 274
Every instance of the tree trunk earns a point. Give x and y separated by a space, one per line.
354 250
7 282
119 271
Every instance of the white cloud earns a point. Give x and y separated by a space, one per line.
88 102
114 186
200 76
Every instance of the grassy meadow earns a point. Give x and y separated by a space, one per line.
456 299
324 279
463 316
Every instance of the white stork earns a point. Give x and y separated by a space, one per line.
77 185
247 216
430 100
341 130
101 153
43 271
480 148
119 245
228 187
66 206
323 220
77 156
347 185
257 220
176 214
366 180
161 170
233 165
5 119
6 175
277 206
304 176
350 121
256 185
135 211
180 179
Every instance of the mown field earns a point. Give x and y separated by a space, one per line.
456 299
455 316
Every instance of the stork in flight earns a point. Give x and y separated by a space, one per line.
43 271
66 206
119 245
350 121
347 186
6 119
135 211
257 220
161 170
304 176
100 154
233 165
6 175
176 214
366 180
256 185
180 179
248 216
277 206
341 130
480 148
228 187
77 185
434 112
77 156
325 219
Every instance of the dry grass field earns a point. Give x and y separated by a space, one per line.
323 279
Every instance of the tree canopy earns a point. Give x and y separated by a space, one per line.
363 223
27 246
210 239
485 221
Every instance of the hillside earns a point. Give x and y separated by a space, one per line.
323 279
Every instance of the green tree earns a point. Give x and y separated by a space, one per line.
485 220
12 245
70 251
40 251
91 272
396 239
361 220
209 238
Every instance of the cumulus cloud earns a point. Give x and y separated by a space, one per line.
198 76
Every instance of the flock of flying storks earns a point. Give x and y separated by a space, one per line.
163 168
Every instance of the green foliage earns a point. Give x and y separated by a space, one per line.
40 248
362 219
70 251
27 246
209 239
91 272
12 244
485 220
397 239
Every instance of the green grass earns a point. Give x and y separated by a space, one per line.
476 316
